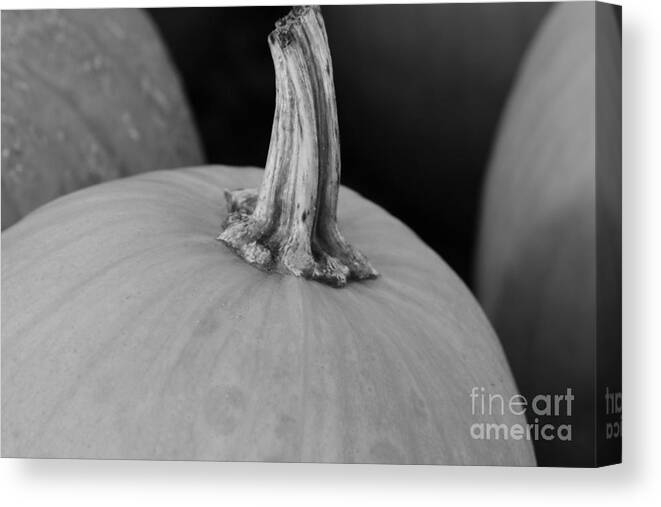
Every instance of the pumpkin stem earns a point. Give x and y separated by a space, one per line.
289 225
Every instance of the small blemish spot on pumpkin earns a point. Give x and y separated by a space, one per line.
385 452
286 427
207 325
131 129
419 406
224 408
104 390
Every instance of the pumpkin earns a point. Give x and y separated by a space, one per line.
548 270
129 331
87 96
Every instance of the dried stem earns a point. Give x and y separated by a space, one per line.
289 224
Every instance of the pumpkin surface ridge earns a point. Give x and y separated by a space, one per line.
75 290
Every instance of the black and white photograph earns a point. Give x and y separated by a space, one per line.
369 295
347 235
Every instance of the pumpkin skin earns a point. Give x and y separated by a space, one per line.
87 96
184 351
549 261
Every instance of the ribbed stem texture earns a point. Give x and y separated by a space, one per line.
289 224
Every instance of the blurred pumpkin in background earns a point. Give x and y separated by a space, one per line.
87 96
549 257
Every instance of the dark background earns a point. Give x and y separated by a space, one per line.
419 91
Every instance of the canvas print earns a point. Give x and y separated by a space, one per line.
333 234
